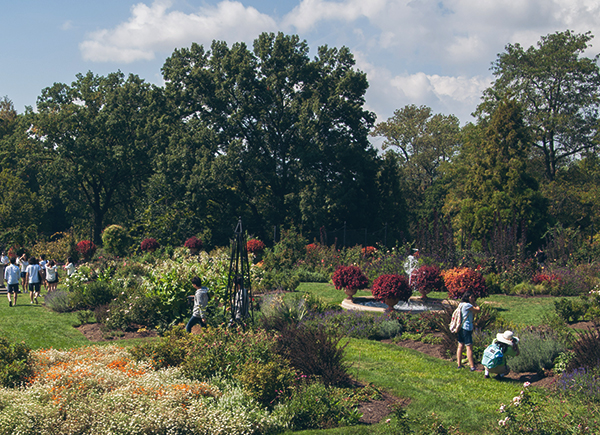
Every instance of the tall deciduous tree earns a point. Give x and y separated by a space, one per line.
422 139
8 116
290 132
97 136
559 91
492 183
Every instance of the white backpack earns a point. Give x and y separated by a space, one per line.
456 321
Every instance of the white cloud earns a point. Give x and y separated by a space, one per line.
311 12
432 52
458 95
155 28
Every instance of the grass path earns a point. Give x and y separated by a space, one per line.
37 326
458 397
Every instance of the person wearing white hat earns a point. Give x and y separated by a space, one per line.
508 344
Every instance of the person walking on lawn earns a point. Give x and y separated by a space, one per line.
4 262
12 275
465 333
51 276
200 303
33 279
23 263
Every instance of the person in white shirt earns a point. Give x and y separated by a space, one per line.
33 279
70 267
23 263
51 276
12 274
4 261
43 263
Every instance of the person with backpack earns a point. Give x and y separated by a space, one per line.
494 356
468 308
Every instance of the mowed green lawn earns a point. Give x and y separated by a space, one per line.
517 309
37 326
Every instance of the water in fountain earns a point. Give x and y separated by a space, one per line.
412 306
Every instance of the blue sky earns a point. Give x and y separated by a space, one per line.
424 52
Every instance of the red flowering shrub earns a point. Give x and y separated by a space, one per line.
461 279
349 277
312 248
367 251
427 279
546 278
255 246
193 243
550 281
391 287
149 245
86 249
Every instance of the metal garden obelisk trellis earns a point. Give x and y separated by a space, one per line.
239 290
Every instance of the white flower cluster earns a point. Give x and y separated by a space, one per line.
100 390
516 401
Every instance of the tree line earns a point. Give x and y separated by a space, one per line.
279 139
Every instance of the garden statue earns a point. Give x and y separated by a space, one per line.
410 265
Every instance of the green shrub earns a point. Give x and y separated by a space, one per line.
493 283
85 316
15 363
528 289
570 310
355 324
538 350
389 329
168 351
115 240
224 352
315 406
562 361
285 280
265 382
59 247
133 306
58 301
91 295
286 253
309 276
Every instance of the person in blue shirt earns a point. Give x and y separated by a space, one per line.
12 275
465 334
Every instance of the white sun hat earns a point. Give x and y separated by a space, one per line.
507 337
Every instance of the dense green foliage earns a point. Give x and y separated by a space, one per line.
277 138
15 363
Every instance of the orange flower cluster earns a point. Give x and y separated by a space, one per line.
462 279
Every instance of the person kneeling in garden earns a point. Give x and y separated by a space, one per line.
494 356
200 303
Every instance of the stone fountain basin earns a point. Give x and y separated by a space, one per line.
415 304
